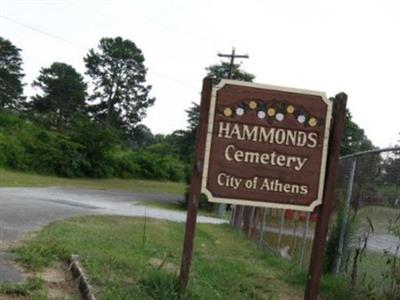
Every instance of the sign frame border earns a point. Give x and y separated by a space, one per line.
210 125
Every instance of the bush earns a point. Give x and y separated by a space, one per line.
88 149
11 152
204 204
142 164
27 147
331 251
123 165
97 143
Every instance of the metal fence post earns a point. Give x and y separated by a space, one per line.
251 219
262 227
346 212
241 216
233 213
221 210
278 246
236 217
303 244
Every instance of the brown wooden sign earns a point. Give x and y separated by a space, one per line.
266 146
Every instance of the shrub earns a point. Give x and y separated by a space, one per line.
27 147
11 152
123 165
97 143
142 164
88 149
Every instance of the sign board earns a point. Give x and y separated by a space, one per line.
266 146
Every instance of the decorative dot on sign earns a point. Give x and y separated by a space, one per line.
228 112
312 122
253 104
261 114
271 112
301 119
240 111
290 109
280 117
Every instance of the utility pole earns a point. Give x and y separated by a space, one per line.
232 56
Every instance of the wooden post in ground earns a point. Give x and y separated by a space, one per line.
195 185
321 230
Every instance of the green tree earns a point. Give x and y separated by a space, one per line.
62 95
142 136
221 70
217 72
392 169
11 86
98 143
391 179
193 115
120 96
368 168
186 139
354 138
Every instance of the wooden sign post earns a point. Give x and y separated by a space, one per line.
321 229
195 185
267 146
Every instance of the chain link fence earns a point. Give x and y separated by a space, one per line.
364 237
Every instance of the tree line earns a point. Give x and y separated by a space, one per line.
67 130
119 96
74 128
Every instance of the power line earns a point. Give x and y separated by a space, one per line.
86 48
44 32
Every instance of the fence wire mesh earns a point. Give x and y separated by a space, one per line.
364 236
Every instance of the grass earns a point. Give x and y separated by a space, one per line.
32 287
373 264
18 179
116 251
294 243
176 206
380 216
370 280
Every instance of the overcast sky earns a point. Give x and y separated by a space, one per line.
330 46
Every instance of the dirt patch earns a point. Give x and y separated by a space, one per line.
162 264
59 283
10 297
6 245
291 297
53 275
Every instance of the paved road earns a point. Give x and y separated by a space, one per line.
23 210
376 242
383 242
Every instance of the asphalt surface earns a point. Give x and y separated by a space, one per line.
376 242
25 210
8 272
